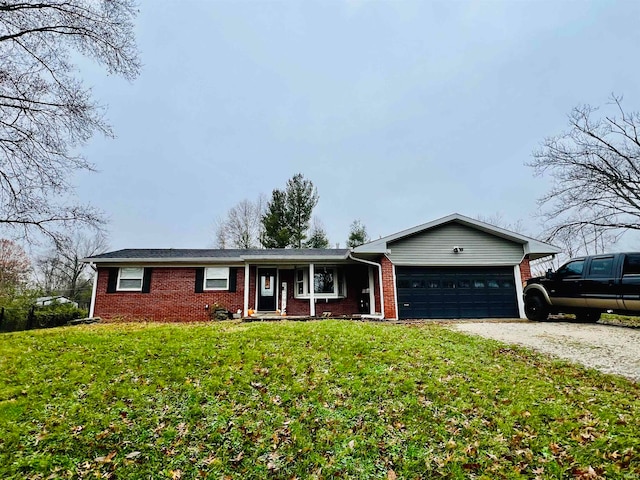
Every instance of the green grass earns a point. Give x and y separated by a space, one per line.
616 319
323 399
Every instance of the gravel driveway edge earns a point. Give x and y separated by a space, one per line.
607 348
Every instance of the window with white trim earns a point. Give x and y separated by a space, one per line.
328 282
300 283
130 279
216 278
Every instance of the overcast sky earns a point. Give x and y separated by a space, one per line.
399 112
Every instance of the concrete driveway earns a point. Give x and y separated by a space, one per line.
608 348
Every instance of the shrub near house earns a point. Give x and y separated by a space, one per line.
21 313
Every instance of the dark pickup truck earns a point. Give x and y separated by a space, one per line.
587 286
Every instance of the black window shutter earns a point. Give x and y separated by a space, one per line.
146 280
233 279
199 279
112 283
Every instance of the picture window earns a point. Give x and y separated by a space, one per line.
328 282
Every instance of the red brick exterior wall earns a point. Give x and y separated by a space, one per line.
172 297
388 288
525 270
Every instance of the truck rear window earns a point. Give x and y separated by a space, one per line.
601 267
631 265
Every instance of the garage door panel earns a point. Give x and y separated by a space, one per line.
425 292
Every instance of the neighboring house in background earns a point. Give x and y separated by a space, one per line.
453 267
55 299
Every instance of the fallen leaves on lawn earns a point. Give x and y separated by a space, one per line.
238 458
132 455
259 386
106 459
586 473
218 414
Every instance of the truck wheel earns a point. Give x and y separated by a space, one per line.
535 308
590 316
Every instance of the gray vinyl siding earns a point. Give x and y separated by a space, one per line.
435 247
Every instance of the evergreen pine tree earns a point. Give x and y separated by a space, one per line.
286 221
276 233
357 235
317 236
302 198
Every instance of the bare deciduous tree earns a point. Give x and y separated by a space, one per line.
242 226
587 240
497 220
576 242
595 172
62 272
220 233
45 111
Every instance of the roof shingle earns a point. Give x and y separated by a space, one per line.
182 254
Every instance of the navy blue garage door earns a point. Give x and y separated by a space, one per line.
425 292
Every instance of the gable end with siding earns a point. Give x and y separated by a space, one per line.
434 247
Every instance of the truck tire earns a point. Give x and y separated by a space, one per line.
589 316
535 308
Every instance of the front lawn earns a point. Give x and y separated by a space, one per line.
327 399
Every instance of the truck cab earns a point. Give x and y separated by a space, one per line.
586 287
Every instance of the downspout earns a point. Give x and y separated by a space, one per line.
312 293
395 286
94 290
374 264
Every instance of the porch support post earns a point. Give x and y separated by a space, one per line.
246 290
312 293
372 296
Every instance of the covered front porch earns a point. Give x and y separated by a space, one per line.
310 290
275 317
